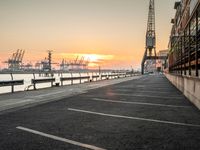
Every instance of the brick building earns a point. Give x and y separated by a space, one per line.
184 44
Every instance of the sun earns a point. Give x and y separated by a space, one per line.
92 60
93 57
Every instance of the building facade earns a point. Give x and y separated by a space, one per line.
184 44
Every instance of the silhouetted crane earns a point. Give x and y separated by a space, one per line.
150 38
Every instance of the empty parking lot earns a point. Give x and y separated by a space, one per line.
145 113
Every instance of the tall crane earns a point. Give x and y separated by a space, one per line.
15 62
81 60
75 61
150 49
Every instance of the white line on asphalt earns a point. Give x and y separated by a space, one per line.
18 102
48 94
94 85
137 95
137 103
168 92
158 92
134 118
59 138
155 88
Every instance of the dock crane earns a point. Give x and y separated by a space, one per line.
81 60
150 49
15 62
150 57
75 61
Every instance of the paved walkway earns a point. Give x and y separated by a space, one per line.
18 100
144 113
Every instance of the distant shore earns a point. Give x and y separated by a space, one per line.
58 71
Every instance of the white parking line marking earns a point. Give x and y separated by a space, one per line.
160 92
145 91
60 139
94 85
135 118
49 94
137 95
137 103
19 102
147 88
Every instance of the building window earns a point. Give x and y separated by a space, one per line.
193 36
198 27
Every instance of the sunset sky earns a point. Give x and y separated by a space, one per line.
109 32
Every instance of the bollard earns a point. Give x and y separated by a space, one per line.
71 79
12 86
57 84
96 75
88 76
80 77
34 82
61 82
51 83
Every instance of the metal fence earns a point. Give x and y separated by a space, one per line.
184 56
35 81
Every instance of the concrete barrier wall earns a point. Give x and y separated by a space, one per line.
189 86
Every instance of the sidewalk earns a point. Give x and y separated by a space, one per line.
18 100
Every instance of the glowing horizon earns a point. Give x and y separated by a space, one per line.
105 28
94 60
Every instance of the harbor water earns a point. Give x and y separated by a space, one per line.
28 77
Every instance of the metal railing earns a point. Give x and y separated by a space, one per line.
184 56
12 83
92 77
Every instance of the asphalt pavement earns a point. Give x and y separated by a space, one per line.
143 113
